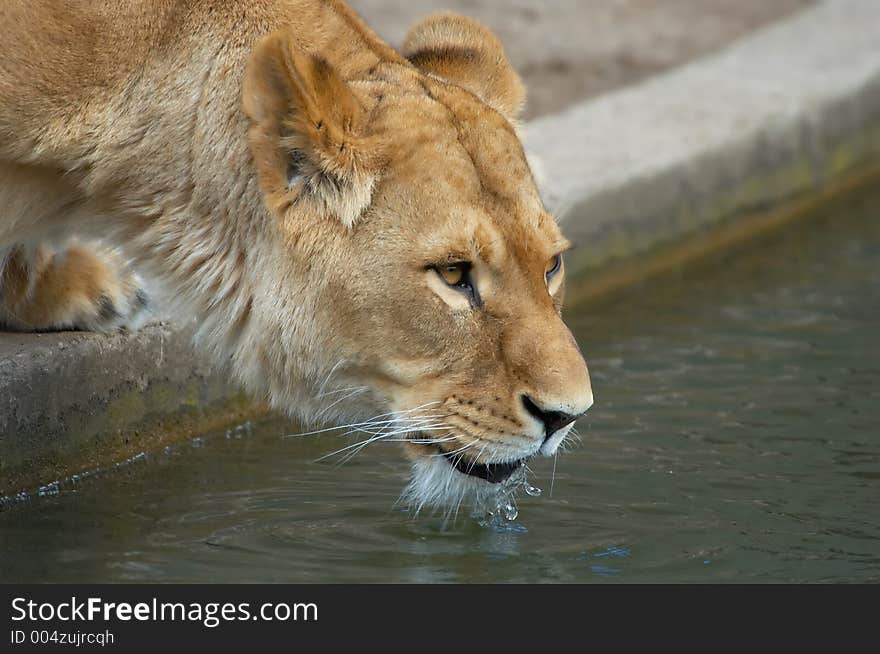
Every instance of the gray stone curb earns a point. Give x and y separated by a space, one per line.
785 112
71 402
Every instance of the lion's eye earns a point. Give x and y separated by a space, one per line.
458 276
453 274
553 265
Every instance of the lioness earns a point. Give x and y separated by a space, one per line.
356 229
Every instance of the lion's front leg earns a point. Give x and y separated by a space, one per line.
79 287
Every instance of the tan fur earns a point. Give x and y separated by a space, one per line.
292 180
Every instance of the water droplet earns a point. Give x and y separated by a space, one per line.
510 511
534 491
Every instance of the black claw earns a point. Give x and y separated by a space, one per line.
141 299
107 311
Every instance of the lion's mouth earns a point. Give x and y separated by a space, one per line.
494 473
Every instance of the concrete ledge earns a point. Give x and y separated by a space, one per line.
75 401
782 115
791 110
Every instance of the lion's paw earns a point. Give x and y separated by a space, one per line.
91 289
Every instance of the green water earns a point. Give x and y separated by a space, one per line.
735 437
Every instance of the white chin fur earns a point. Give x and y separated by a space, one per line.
436 485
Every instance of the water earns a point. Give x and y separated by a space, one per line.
735 437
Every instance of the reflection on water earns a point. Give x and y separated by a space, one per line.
735 437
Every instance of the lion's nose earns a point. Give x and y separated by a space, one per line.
553 420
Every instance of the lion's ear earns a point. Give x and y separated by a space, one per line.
307 129
463 51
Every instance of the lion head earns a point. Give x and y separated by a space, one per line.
422 277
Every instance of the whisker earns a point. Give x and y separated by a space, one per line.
323 431
397 416
456 451
336 391
349 447
355 425
382 435
474 462
326 410
327 378
421 441
329 429
402 413
400 431
400 421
